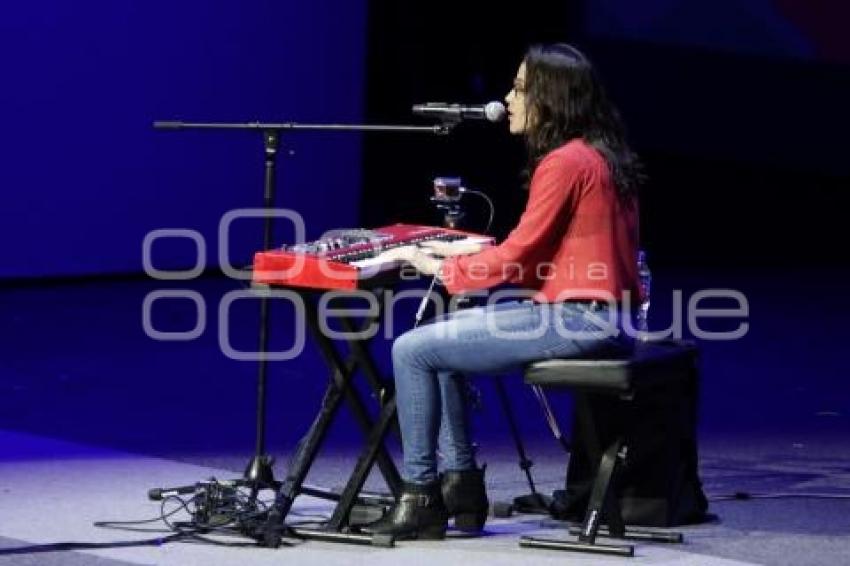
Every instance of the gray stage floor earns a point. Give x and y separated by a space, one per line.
93 413
53 490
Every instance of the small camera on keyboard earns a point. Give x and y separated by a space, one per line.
447 190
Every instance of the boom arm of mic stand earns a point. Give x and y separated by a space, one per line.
439 129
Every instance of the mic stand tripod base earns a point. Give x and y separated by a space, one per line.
259 472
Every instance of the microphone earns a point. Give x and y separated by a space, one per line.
492 111
212 485
160 493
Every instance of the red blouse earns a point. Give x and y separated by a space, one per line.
576 239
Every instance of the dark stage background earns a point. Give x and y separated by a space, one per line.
738 110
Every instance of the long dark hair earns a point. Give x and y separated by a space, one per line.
566 100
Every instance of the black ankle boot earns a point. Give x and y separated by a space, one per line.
418 514
466 498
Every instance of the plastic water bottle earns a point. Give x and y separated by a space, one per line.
645 281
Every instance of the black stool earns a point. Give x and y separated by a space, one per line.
653 366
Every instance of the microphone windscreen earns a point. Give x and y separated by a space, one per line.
494 111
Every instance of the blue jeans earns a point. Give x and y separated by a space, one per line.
429 363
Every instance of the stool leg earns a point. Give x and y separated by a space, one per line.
600 497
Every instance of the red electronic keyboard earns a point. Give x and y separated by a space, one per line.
348 259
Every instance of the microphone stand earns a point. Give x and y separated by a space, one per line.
258 474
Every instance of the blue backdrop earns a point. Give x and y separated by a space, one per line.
84 175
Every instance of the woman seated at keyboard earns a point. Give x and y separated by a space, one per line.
574 249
